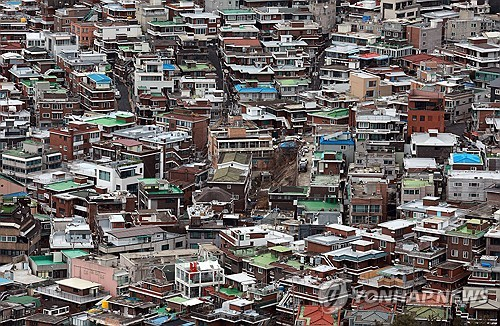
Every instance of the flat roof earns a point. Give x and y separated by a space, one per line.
78 283
99 78
66 185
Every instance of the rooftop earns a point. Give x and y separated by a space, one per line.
318 205
67 185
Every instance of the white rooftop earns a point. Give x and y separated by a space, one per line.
396 224
242 278
440 139
78 283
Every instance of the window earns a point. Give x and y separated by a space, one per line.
458 184
420 261
228 186
454 253
466 242
383 244
179 244
465 254
422 118
259 270
454 240
103 175
473 184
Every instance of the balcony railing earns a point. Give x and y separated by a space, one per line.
57 293
238 317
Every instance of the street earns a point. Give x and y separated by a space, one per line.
124 102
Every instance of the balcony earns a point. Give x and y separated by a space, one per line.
230 315
54 292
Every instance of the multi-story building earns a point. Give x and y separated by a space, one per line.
469 186
364 86
32 157
380 126
467 24
122 149
84 31
108 35
20 231
195 125
399 9
433 144
141 238
426 110
52 105
466 242
367 202
159 194
151 75
114 279
97 93
475 54
75 292
425 36
229 139
111 175
192 277
75 140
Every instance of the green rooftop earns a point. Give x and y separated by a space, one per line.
75 253
332 114
42 217
265 260
31 83
165 23
293 82
320 155
66 186
177 300
280 249
20 153
109 122
45 260
7 209
196 67
464 230
416 183
232 292
24 300
155 187
317 205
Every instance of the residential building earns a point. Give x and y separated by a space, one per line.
426 111
140 238
192 277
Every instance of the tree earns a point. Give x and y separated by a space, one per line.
404 320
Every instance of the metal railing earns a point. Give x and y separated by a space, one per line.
54 292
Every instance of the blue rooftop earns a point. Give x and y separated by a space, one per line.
100 78
467 158
334 141
167 66
243 89
16 194
4 281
